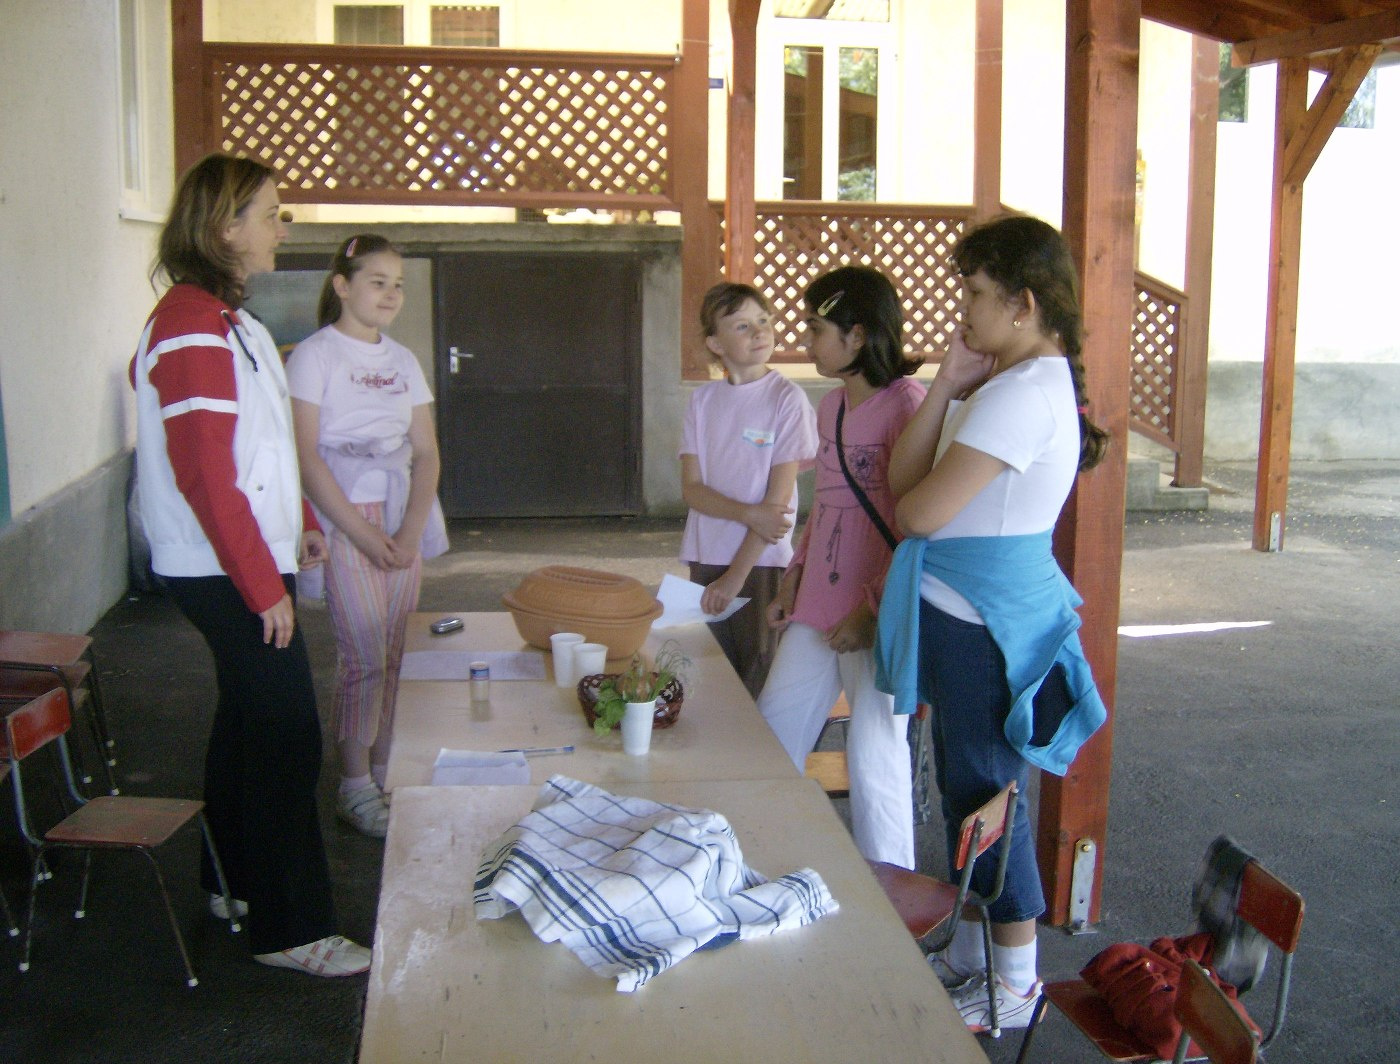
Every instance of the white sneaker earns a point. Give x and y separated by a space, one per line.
365 810
219 907
331 956
1013 1010
950 977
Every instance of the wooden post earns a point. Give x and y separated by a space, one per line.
1300 134
1189 391
690 175
1101 96
986 111
740 215
191 105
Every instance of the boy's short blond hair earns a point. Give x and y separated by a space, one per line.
724 299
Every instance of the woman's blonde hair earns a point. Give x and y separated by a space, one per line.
192 249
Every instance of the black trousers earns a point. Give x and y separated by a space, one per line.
261 768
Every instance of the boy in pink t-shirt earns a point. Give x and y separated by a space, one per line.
744 440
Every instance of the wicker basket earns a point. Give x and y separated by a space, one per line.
668 703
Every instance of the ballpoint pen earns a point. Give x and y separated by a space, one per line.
538 751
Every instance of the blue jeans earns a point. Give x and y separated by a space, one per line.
964 676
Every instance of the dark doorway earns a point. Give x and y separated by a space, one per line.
539 384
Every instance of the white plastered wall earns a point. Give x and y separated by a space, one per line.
76 290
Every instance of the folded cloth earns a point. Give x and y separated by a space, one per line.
634 886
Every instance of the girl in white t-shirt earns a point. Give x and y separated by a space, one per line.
369 463
983 469
744 439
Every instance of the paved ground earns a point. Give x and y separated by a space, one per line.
1282 735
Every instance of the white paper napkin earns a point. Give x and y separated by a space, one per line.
478 768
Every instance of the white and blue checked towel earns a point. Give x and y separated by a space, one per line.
633 886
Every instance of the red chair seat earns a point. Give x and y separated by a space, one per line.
124 822
1090 1012
921 901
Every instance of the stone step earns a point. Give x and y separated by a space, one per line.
1149 488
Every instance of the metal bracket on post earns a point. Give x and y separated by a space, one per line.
1081 887
1275 531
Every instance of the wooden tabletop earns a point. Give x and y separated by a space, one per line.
42 648
851 987
719 734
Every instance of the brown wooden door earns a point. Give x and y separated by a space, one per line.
539 384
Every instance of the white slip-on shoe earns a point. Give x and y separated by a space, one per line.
334 955
1013 1010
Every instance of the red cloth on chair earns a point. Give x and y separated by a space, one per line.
1139 983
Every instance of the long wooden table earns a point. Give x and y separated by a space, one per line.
718 736
850 987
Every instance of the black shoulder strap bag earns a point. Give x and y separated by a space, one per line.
861 497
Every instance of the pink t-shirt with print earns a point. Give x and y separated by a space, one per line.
843 555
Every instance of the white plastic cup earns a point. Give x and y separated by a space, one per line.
637 720
589 659
561 645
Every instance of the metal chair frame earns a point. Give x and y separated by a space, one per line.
107 822
926 903
1266 903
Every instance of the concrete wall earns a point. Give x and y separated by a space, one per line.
75 251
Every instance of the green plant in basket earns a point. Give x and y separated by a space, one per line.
642 681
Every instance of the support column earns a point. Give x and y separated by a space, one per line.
1101 96
690 171
740 214
187 83
1189 391
986 111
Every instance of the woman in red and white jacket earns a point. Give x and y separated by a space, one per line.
220 498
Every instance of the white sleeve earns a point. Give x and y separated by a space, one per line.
306 378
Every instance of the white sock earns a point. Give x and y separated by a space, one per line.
1015 966
966 954
351 784
379 773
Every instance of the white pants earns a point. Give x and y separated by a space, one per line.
803 685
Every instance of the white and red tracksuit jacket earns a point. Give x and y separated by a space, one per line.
217 476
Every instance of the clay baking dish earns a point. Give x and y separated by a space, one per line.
577 592
606 608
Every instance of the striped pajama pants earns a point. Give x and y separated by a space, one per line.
369 610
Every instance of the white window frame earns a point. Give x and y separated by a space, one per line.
775 34
135 164
417 18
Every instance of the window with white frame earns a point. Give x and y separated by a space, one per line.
414 22
143 182
821 72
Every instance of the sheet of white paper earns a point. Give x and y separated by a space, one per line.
680 601
478 768
1144 631
456 664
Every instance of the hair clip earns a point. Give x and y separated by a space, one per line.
1083 409
826 307
350 247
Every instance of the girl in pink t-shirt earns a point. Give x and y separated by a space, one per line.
829 597
745 438
369 462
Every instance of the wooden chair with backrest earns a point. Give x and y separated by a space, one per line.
926 903
34 662
1266 903
108 822
1210 1020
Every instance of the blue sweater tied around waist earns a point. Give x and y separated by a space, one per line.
1028 605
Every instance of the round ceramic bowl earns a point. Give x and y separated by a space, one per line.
570 591
623 637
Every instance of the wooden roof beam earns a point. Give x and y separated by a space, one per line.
1208 18
1380 29
1349 68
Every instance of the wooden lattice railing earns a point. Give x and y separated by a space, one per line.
798 240
1157 340
345 124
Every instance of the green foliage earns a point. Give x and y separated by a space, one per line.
643 681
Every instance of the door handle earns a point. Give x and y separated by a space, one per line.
455 357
